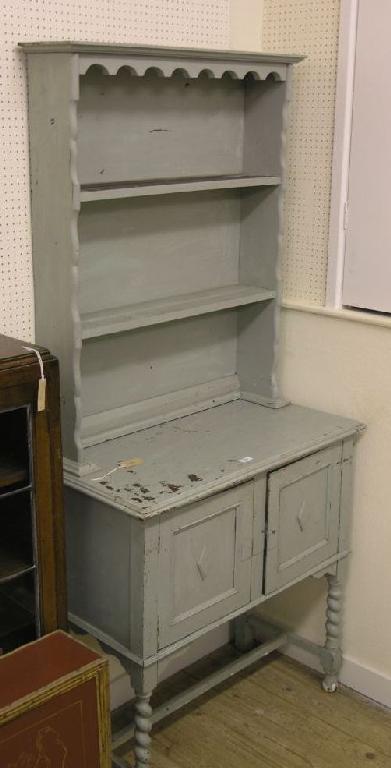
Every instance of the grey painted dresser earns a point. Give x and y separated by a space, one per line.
195 492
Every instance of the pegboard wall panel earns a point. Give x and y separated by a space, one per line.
203 23
309 27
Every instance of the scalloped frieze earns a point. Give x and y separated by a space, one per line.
190 68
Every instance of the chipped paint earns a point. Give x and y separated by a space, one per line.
171 486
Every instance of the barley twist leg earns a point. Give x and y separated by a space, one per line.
143 727
332 664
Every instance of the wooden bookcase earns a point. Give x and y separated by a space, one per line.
156 247
32 572
195 491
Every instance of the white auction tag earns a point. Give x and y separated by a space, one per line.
41 398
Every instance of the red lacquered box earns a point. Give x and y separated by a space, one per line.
54 710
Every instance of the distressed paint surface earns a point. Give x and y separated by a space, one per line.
121 123
155 490
303 516
189 458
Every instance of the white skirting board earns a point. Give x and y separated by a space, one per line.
364 680
361 679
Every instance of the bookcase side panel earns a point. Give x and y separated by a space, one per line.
256 353
266 114
263 120
257 326
52 128
259 245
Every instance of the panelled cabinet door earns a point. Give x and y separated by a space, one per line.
205 563
303 516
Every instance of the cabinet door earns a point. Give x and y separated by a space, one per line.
205 563
303 516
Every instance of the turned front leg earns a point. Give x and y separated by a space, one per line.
144 679
142 730
332 662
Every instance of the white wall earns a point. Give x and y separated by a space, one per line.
246 24
310 28
332 363
345 367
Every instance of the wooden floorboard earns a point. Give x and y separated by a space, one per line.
273 716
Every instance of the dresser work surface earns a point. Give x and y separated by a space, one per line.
189 458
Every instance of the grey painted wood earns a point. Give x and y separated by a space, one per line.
191 67
259 247
157 247
327 567
158 311
257 324
332 663
157 223
249 118
113 573
206 552
142 729
160 247
263 125
163 141
303 516
189 458
54 237
91 193
164 359
143 681
264 631
258 536
346 505
256 353
199 689
143 580
72 46
130 418
242 636
98 559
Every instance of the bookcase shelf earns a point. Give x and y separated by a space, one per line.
14 490
12 566
148 313
18 617
112 191
32 593
11 473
